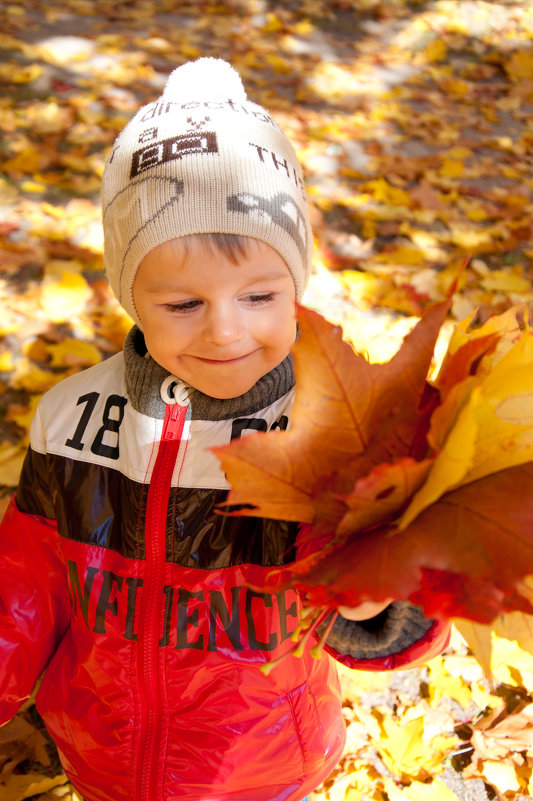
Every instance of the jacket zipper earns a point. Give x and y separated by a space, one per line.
147 781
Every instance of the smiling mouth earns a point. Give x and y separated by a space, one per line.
222 361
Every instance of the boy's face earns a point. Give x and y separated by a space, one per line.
216 325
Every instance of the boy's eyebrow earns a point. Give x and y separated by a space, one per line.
156 288
271 276
170 287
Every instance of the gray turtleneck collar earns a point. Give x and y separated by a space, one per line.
144 378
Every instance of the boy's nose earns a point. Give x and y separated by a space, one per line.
222 326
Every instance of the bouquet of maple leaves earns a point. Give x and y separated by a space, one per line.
409 488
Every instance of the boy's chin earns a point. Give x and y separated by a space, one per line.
225 394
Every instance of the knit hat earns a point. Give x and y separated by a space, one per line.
202 159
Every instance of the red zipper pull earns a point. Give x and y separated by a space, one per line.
174 420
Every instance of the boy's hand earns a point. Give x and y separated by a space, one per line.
364 611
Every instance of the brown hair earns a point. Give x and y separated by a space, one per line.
233 246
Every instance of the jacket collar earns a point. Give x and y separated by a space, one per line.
145 377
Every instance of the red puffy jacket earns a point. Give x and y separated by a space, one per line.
121 582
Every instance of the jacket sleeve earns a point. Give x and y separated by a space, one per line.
34 601
399 637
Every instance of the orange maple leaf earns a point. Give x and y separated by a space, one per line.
349 415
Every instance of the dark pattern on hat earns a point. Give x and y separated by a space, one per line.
280 210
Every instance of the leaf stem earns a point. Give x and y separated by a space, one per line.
316 650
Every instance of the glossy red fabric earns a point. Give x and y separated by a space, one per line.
152 687
223 725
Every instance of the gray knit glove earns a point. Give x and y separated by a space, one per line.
396 628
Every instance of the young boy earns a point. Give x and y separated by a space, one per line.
117 576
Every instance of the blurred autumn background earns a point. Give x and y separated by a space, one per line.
413 121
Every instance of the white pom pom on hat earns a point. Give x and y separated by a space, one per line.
205 79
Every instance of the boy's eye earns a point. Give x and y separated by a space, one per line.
187 306
184 307
257 299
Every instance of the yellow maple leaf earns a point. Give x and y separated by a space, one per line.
363 287
520 65
436 50
475 212
303 28
113 323
485 423
273 23
442 684
506 323
405 254
61 300
518 627
469 239
54 269
332 80
358 682
482 698
24 417
64 52
363 778
479 639
32 186
452 168
506 281
20 74
435 790
406 753
27 161
48 117
501 775
280 65
503 649
11 458
20 736
455 86
31 378
384 192
20 786
510 663
460 152
37 350
504 413
71 352
6 361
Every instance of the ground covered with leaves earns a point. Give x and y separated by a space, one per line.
413 121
